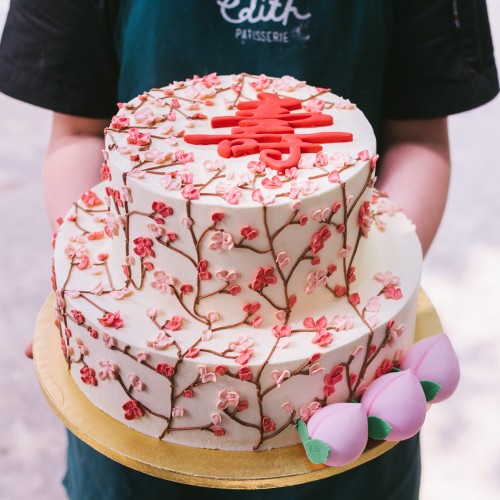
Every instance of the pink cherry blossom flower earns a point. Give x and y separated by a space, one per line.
280 376
200 91
314 105
177 412
108 370
190 192
316 368
280 331
322 337
120 294
220 240
315 279
119 122
109 341
321 159
216 418
184 157
111 320
343 322
161 341
132 410
271 181
174 323
213 165
244 356
206 335
228 276
138 138
282 259
241 344
321 215
206 376
260 198
365 218
387 279
81 346
145 115
171 182
135 382
227 398
280 317
232 195
91 199
307 411
256 167
287 84
192 353
315 325
262 83
288 407
373 304
268 424
164 282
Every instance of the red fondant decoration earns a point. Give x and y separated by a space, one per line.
267 126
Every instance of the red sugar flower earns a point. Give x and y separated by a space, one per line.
143 247
120 122
165 369
218 431
318 239
249 232
132 410
91 199
88 376
220 369
162 208
263 277
245 373
280 331
202 270
386 366
331 379
79 317
105 173
268 424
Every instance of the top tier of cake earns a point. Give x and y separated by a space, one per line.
234 190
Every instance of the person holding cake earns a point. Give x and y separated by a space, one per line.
406 65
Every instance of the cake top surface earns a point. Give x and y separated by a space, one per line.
242 139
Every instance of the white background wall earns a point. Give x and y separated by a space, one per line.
461 440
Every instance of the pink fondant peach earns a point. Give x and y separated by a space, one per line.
344 428
399 399
434 359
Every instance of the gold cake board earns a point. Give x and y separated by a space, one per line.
199 467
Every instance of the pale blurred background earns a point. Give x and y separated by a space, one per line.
461 440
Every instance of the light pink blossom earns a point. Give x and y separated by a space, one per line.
220 240
108 370
227 398
161 341
280 376
164 282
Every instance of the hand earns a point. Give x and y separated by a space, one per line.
28 350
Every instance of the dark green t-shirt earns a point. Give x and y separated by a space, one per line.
341 45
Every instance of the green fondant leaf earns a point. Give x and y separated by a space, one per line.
378 428
302 431
430 389
317 451
395 369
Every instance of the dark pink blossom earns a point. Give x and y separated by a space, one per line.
249 232
165 369
119 122
332 378
87 375
162 208
318 239
245 373
78 316
132 410
280 331
268 424
143 247
263 277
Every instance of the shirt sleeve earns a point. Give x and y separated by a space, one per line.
440 61
59 55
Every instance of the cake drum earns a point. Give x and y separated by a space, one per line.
195 466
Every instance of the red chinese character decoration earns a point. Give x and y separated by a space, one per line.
267 126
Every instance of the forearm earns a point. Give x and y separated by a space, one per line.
416 172
72 163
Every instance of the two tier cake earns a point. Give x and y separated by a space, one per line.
235 271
